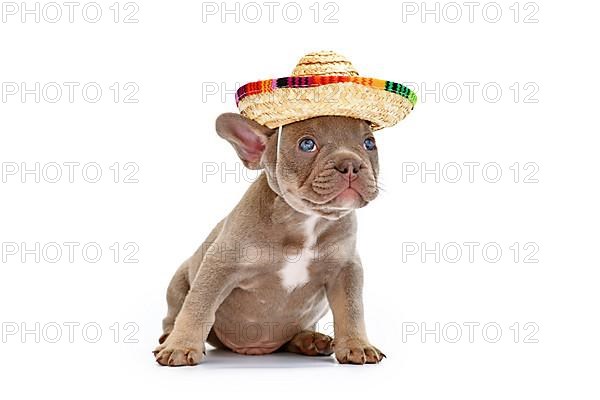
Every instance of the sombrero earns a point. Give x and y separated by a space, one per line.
325 83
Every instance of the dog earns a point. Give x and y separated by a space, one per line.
300 211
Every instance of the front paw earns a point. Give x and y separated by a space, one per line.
175 353
356 351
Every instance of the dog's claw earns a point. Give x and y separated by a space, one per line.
355 351
173 355
311 344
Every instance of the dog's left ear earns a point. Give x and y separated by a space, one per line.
247 137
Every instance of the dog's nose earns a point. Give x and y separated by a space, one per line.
348 166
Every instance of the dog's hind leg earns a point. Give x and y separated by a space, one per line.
310 343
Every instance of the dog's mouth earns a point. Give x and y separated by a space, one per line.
333 195
345 199
348 198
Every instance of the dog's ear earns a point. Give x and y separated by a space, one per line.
247 137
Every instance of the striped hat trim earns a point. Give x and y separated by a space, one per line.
271 85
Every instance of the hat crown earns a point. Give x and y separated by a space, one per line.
324 63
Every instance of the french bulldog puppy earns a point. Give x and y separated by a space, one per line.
286 253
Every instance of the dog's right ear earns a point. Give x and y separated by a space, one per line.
247 137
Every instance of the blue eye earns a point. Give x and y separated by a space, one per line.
307 145
369 143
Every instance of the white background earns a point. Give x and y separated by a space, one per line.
177 60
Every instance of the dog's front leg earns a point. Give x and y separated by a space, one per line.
350 342
185 345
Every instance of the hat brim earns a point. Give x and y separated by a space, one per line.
277 102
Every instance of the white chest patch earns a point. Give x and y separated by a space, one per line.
295 269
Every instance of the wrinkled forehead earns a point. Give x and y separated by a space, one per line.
329 128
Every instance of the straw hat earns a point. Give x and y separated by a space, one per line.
325 83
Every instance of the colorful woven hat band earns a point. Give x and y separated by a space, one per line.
269 85
325 83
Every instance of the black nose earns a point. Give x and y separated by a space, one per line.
348 166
